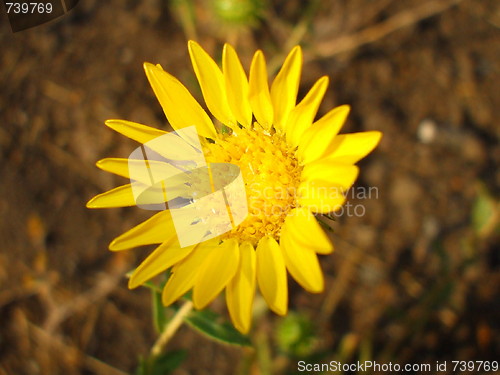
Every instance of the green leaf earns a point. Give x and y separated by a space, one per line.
483 211
167 363
148 284
212 325
162 365
141 367
158 310
295 335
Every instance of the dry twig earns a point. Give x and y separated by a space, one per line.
372 34
93 364
60 312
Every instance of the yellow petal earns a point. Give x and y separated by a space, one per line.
321 134
236 86
321 196
162 258
327 170
241 289
302 116
185 272
117 166
217 270
212 84
304 229
260 99
121 167
285 87
350 148
157 229
271 275
137 132
302 263
121 196
178 104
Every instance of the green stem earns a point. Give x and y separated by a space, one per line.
170 329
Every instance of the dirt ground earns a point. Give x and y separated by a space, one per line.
415 279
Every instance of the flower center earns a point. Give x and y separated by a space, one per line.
271 174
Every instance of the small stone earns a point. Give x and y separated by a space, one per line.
427 131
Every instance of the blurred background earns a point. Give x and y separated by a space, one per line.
413 280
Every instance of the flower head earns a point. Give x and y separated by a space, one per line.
292 166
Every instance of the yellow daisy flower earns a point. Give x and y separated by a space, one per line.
292 168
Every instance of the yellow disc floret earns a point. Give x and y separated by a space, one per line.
271 174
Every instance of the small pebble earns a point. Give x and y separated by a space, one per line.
427 131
